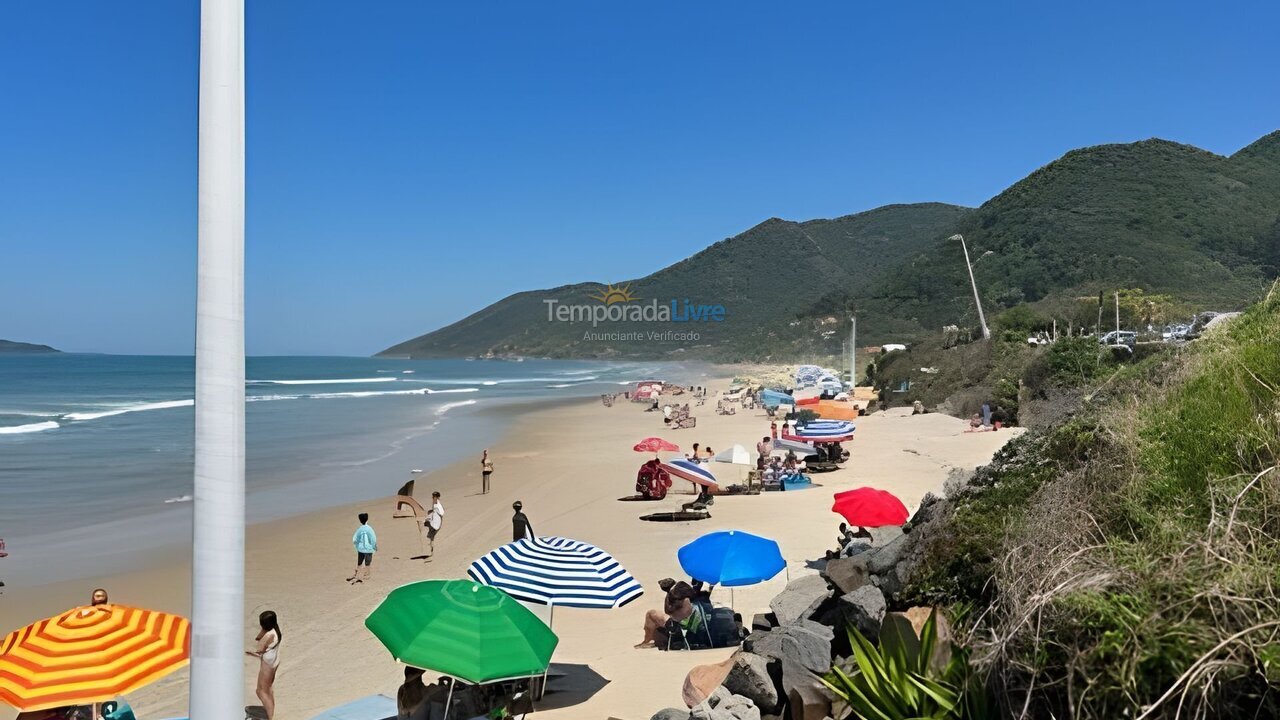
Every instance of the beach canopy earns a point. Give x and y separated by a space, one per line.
693 472
90 654
868 507
655 445
557 571
463 629
774 398
731 558
736 455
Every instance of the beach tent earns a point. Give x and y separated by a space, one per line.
807 375
736 455
835 409
693 472
774 398
89 655
557 571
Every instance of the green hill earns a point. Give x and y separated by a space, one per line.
1169 219
765 278
15 347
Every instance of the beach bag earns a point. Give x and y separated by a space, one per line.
724 629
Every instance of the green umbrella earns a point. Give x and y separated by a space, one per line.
462 629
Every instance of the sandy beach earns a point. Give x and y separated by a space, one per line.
569 464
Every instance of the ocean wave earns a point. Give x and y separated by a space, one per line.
449 406
340 381
561 385
269 398
141 407
452 390
30 413
30 428
179 499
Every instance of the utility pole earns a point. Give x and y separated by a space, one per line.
853 352
217 563
977 302
1117 317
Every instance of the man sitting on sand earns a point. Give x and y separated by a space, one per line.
366 543
676 605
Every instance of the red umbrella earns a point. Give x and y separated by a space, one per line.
867 507
655 445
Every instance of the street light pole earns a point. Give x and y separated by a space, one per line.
217 572
982 319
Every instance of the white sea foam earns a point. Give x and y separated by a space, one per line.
30 413
339 381
449 406
367 393
33 427
452 390
561 385
268 398
408 372
179 499
141 407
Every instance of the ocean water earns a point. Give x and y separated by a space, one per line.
96 450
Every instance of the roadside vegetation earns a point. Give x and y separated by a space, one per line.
1125 561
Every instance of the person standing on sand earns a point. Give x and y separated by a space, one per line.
486 469
366 543
520 527
268 653
435 518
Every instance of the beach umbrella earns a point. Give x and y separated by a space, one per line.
868 507
557 571
731 558
463 629
693 472
736 455
90 654
655 445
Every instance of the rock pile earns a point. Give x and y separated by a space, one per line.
776 673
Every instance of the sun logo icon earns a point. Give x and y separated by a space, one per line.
611 294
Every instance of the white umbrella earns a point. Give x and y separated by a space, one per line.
736 455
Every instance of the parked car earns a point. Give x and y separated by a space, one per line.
1119 337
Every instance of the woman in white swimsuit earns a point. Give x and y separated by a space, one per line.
269 653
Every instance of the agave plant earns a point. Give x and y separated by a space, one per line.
907 677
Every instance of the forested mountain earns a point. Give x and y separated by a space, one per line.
1163 217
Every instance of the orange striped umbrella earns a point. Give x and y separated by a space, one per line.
90 654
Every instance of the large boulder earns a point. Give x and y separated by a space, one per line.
863 608
740 708
801 598
882 559
763 621
807 698
806 642
807 703
705 712
670 714
848 573
756 678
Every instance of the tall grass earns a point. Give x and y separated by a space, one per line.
1138 577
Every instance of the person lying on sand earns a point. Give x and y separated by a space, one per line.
676 605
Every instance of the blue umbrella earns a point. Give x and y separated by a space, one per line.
731 558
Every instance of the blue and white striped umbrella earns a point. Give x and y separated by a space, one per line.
557 571
696 473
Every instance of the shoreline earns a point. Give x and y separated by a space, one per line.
568 460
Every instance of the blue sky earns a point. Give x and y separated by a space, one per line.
410 162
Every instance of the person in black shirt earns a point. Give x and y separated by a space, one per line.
520 527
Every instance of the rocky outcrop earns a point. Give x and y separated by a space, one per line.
800 599
758 679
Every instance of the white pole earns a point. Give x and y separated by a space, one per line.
982 319
853 353
217 581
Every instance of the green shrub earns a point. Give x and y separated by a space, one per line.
907 678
